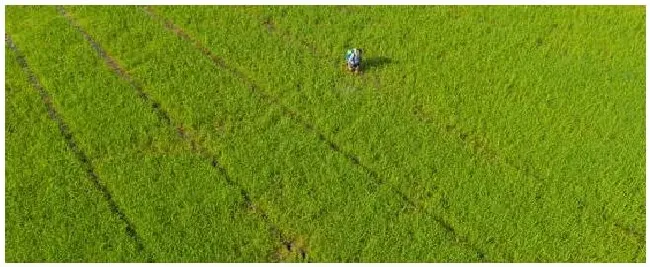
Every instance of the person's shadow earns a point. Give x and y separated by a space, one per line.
376 62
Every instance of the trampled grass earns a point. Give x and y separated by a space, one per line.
225 134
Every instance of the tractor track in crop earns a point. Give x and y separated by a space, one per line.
114 65
287 243
80 154
255 88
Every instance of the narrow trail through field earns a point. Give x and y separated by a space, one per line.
310 127
81 155
287 242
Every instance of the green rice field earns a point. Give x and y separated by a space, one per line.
236 134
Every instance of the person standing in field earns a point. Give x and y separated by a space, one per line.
353 58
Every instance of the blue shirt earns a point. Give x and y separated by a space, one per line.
352 57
